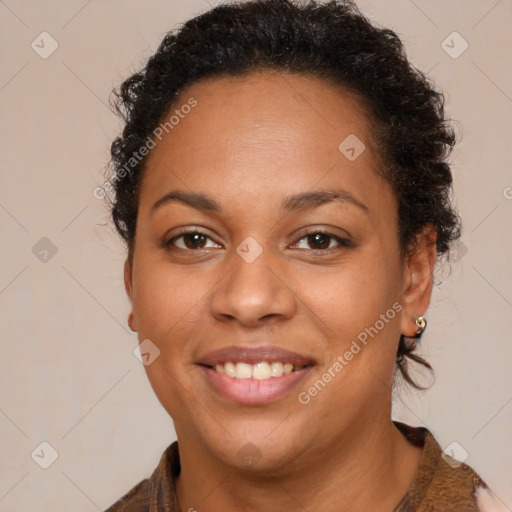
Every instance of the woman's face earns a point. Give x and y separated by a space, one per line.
259 283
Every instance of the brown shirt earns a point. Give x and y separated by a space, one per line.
440 484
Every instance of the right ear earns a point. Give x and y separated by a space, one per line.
129 292
128 278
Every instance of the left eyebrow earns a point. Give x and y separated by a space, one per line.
298 202
315 198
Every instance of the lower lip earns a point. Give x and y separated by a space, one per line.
252 391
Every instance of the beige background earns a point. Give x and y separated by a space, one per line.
68 374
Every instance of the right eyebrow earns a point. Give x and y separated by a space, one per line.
195 200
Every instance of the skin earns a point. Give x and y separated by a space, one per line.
250 142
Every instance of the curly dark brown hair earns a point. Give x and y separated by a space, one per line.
332 41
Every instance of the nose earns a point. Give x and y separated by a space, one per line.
254 293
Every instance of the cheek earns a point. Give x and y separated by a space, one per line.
352 297
167 298
357 309
167 305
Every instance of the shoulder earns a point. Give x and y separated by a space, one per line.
156 492
441 482
135 500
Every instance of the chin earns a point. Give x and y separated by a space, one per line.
257 453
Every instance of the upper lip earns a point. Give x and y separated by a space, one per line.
254 355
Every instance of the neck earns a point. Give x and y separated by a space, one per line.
366 469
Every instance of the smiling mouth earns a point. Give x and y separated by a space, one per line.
263 370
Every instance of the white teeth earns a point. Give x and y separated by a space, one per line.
260 371
276 369
243 371
229 369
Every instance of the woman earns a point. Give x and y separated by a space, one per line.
282 187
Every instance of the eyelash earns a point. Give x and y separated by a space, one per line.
343 242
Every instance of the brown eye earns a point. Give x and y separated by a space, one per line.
319 240
192 240
322 241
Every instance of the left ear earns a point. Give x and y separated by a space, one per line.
418 278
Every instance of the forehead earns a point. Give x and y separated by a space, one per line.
263 134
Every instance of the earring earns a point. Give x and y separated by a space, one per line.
421 324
